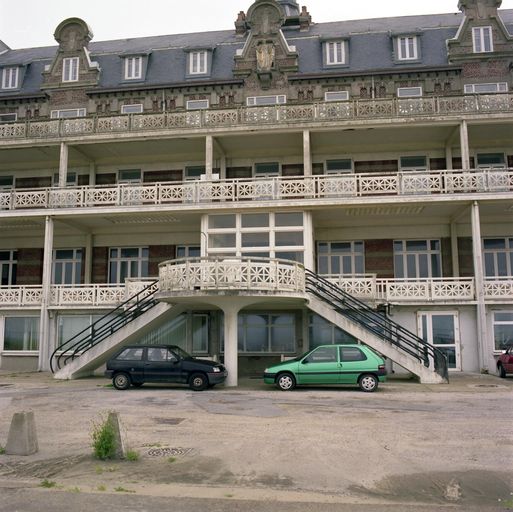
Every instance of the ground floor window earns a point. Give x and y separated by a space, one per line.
260 332
503 329
21 333
69 326
322 332
126 262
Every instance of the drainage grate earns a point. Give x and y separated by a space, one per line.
167 452
168 421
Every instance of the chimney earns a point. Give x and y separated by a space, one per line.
305 20
240 25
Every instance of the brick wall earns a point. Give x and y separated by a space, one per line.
30 267
465 257
100 264
34 182
158 254
377 166
379 258
238 172
292 170
158 176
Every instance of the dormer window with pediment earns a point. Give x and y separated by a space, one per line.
482 39
70 67
10 78
133 67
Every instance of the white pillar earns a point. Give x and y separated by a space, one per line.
454 251
92 174
482 334
231 349
88 259
309 241
307 153
44 322
209 156
465 154
63 165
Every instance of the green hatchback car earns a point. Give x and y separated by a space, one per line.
330 364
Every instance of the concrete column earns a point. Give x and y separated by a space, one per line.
88 259
307 153
44 322
454 251
231 350
309 242
92 174
209 156
448 157
465 154
63 165
482 332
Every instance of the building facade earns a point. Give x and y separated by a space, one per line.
217 167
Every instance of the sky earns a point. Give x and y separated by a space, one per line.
119 19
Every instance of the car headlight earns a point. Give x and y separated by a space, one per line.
216 369
266 370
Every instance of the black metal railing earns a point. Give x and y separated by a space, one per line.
104 327
376 323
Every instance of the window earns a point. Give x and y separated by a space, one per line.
407 48
160 354
336 96
409 92
442 331
128 262
127 176
503 329
194 172
67 266
335 53
197 104
70 69
349 354
8 118
257 101
21 333
6 182
71 179
69 112
267 333
491 160
188 251
482 38
267 169
413 163
322 332
198 63
131 354
491 88
10 78
342 166
8 266
417 259
498 257
340 258
135 108
323 355
70 326
200 330
133 68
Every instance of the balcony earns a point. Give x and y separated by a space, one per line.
251 117
187 193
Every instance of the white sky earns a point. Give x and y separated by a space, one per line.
28 23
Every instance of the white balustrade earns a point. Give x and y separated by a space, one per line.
361 287
498 288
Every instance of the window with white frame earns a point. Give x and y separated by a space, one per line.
133 68
198 63
69 326
417 259
129 176
409 92
194 172
8 267
67 266
71 179
336 96
335 53
274 333
482 39
491 160
322 332
341 258
68 112
407 48
502 329
491 88
11 117
267 169
498 257
21 333
258 101
339 166
188 251
135 108
6 182
10 78
70 69
128 262
413 163
197 104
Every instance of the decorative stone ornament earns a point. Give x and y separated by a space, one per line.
73 35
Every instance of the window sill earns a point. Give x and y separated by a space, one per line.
17 353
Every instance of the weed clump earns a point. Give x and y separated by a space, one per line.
103 437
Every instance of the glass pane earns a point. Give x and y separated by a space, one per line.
443 329
130 252
423 265
323 265
68 273
324 355
347 266
424 328
322 247
113 253
435 245
294 256
255 220
64 254
436 271
340 247
113 272
502 269
503 335
21 333
71 325
288 219
359 266
494 243
416 245
283 333
255 254
352 354
503 317
219 241
5 275
398 264
221 221
285 238
335 265
411 266
123 274
398 246
255 239
489 264
199 333
450 354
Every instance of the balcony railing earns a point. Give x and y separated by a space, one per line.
421 183
258 116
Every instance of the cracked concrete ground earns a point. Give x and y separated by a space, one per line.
440 446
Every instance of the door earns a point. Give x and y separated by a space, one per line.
441 329
321 366
162 366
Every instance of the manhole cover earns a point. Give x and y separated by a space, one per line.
167 452
168 421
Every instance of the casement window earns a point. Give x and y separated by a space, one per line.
417 259
491 160
197 104
68 112
10 78
8 267
413 163
409 92
70 69
128 262
341 258
498 257
267 333
188 251
492 88
6 182
8 118
482 39
21 333
341 166
267 169
335 53
407 48
502 329
194 172
336 96
257 101
133 68
130 176
71 179
198 63
67 266
322 332
135 108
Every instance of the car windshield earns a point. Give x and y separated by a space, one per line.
181 353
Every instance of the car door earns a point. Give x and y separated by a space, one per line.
508 360
161 365
353 362
321 366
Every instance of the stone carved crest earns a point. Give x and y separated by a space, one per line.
73 34
265 57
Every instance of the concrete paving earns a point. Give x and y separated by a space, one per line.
409 446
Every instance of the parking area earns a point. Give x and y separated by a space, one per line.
407 443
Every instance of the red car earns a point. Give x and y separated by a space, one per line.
505 362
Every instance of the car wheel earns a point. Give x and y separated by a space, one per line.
502 371
137 384
368 383
198 382
121 381
286 381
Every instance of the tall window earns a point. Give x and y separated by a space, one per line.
21 333
343 258
482 38
70 69
322 332
126 262
133 68
503 329
188 251
67 266
198 63
498 257
8 265
335 53
407 48
10 78
71 325
267 333
414 259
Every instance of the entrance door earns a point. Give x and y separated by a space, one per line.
442 330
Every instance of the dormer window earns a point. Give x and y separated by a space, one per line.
407 48
133 68
70 69
10 78
198 63
482 38
335 53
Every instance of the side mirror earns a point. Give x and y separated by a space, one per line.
304 361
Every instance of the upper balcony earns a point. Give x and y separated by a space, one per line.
259 118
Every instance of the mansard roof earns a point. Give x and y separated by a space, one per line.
370 51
